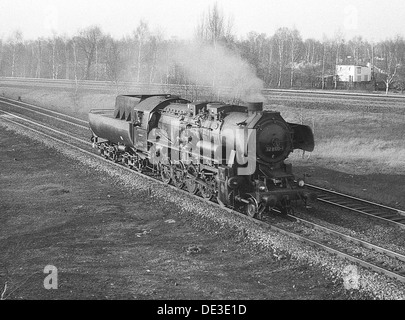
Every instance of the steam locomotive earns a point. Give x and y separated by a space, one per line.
232 154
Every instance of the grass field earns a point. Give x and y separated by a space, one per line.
367 141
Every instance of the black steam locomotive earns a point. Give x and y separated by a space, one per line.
230 153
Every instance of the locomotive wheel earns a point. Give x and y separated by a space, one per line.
138 165
103 154
166 173
260 210
178 175
207 192
221 203
191 185
252 207
286 207
112 156
124 162
104 151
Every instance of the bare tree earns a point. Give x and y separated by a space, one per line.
74 44
1 56
214 27
338 42
141 36
15 43
295 49
391 61
55 43
328 60
39 59
270 61
325 44
281 37
67 44
88 41
113 61
155 43
356 46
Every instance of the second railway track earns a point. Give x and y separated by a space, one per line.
372 209
370 256
37 110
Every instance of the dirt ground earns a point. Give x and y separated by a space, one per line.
109 243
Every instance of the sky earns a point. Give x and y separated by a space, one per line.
374 20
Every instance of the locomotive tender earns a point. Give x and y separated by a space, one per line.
231 153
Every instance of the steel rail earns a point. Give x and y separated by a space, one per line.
332 93
106 84
45 127
47 115
210 203
397 213
16 103
361 242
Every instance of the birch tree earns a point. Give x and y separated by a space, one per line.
391 61
281 38
15 42
295 51
141 36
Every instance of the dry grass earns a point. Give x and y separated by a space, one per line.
68 102
369 142
370 156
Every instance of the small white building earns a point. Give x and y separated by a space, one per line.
353 73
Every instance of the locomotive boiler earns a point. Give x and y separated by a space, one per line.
232 154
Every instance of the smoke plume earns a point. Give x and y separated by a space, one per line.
225 71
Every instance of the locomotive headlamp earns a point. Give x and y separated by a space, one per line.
301 183
262 188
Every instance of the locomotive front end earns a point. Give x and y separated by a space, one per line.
274 185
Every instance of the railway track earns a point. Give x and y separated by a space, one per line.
368 103
138 87
359 251
45 112
372 209
369 256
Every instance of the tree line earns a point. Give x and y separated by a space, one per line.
281 60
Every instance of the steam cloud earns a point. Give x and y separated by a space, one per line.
221 69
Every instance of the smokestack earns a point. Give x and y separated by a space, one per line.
254 107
